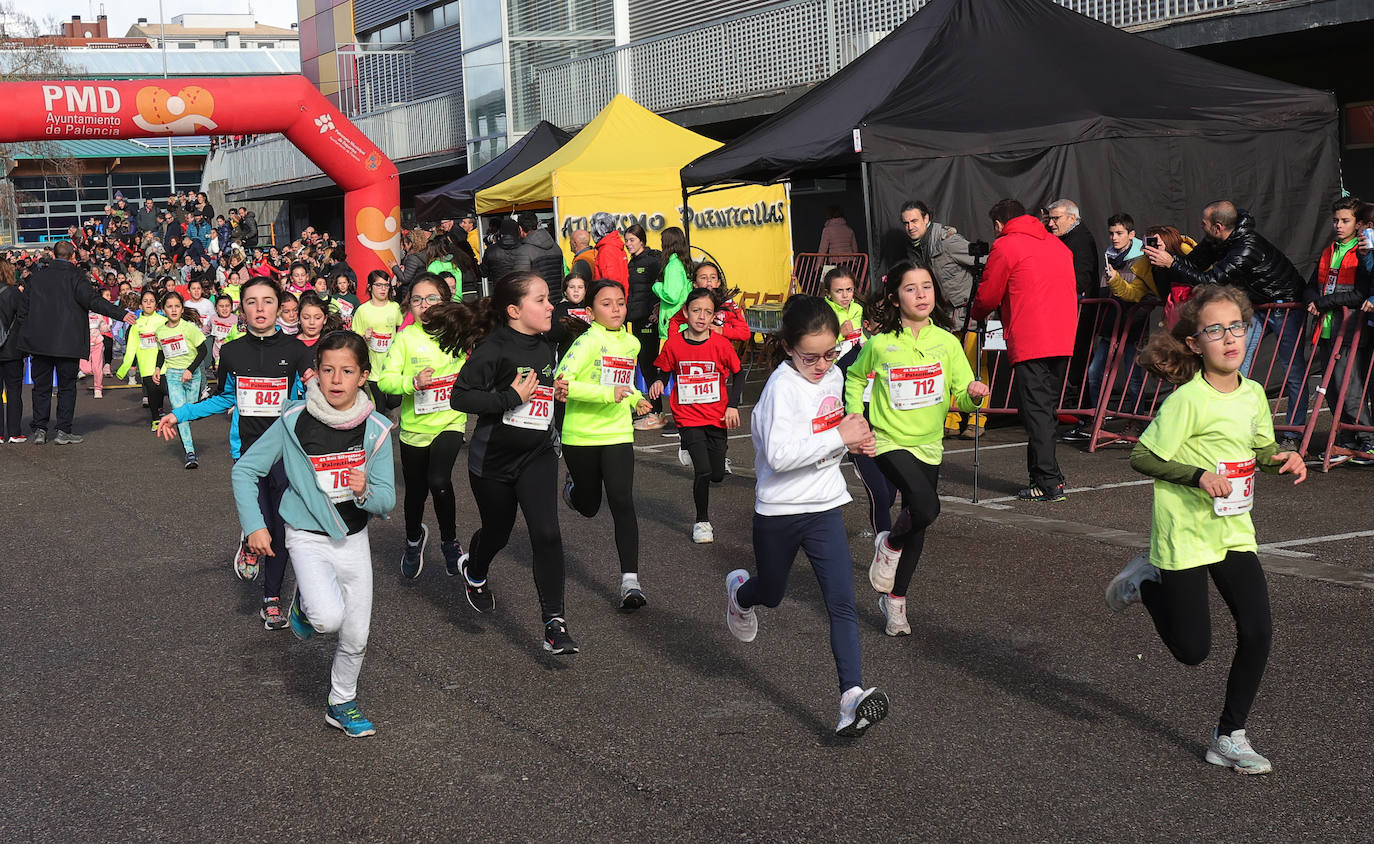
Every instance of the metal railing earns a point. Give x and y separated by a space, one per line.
373 79
808 40
422 127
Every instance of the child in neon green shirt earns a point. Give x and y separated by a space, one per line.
141 348
182 348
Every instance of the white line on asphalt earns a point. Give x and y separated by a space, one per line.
1278 547
983 448
674 443
1077 490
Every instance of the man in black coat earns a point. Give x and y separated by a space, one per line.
1063 221
56 334
543 253
505 256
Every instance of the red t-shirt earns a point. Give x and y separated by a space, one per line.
700 370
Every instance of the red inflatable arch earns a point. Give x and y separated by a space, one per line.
236 106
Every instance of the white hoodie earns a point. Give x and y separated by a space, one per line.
797 444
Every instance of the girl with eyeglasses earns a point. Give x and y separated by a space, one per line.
920 373
422 367
800 433
377 321
1202 449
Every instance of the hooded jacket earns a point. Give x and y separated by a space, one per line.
643 270
611 260
504 256
1030 278
1245 260
544 257
54 312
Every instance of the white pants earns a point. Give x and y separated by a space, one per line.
334 583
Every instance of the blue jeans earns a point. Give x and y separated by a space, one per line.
822 536
1097 371
1290 339
183 392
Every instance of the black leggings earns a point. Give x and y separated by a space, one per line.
154 393
428 471
12 374
881 492
1178 605
536 493
646 331
917 481
592 467
707 445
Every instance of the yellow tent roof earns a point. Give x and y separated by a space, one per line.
624 146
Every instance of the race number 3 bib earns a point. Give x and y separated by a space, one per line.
378 343
534 414
1241 474
913 387
260 396
698 389
174 346
331 472
434 398
617 372
147 341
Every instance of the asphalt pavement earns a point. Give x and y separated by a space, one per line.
143 700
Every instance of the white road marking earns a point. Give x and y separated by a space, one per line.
675 444
983 448
1075 490
1279 547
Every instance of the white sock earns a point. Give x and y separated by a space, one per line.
629 578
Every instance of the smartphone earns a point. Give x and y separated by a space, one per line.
1153 240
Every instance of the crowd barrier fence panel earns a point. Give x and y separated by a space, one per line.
809 269
1357 340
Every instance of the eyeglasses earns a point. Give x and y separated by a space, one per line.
810 360
1215 332
431 299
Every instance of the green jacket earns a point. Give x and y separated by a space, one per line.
147 324
671 290
593 416
413 350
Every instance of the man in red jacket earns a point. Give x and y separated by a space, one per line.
612 262
1030 278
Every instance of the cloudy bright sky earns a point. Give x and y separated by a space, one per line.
123 13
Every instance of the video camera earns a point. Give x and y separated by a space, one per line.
978 249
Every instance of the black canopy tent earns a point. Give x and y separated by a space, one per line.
457 197
970 101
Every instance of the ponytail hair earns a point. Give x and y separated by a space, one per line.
450 324
801 315
490 313
1167 355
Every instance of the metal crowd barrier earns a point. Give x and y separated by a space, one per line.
809 269
1356 342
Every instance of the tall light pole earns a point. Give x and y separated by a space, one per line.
171 168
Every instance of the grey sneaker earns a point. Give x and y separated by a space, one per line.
631 596
64 438
1234 751
40 436
1124 589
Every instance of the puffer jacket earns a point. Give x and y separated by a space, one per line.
545 258
9 319
611 261
644 269
1030 278
1245 260
504 257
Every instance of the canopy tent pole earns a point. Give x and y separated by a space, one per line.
686 221
869 232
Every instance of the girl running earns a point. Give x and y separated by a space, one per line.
422 366
143 342
1203 447
258 372
702 361
336 455
800 433
596 379
316 320
508 383
223 324
100 329
920 371
181 349
376 321
289 317
728 320
344 303
882 494
839 292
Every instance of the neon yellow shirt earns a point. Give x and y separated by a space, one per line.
413 351
377 325
142 343
593 365
193 338
854 315
1200 426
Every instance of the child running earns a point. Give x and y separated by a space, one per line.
258 372
289 316
701 361
1202 449
882 494
422 366
839 292
181 349
343 302
596 379
800 433
336 455
316 320
377 321
920 371
508 382
728 320
143 342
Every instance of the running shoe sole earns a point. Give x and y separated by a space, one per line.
632 600
1221 761
565 650
870 711
462 569
329 719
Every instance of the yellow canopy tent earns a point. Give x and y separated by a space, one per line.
627 162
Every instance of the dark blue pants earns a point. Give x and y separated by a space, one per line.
271 487
881 492
822 537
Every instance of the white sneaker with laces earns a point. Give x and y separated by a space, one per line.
894 611
1234 751
883 571
1124 589
703 533
743 624
859 710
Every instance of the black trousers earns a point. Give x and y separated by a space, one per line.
1178 605
706 445
12 374
428 473
1038 383
44 369
612 467
271 488
917 481
535 492
646 331
154 393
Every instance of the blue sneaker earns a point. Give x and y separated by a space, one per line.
346 717
300 625
413 556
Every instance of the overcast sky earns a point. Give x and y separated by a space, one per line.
123 13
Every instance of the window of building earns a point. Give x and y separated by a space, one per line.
484 91
186 45
264 45
437 17
481 22
386 36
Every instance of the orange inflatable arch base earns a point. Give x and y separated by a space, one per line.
236 106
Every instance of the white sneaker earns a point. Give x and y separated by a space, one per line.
1124 589
683 457
1234 751
743 624
702 533
894 611
859 710
883 571
729 467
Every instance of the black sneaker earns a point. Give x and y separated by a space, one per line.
191 460
40 436
1363 456
1035 492
1077 434
567 493
453 556
413 555
479 593
1288 442
556 638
